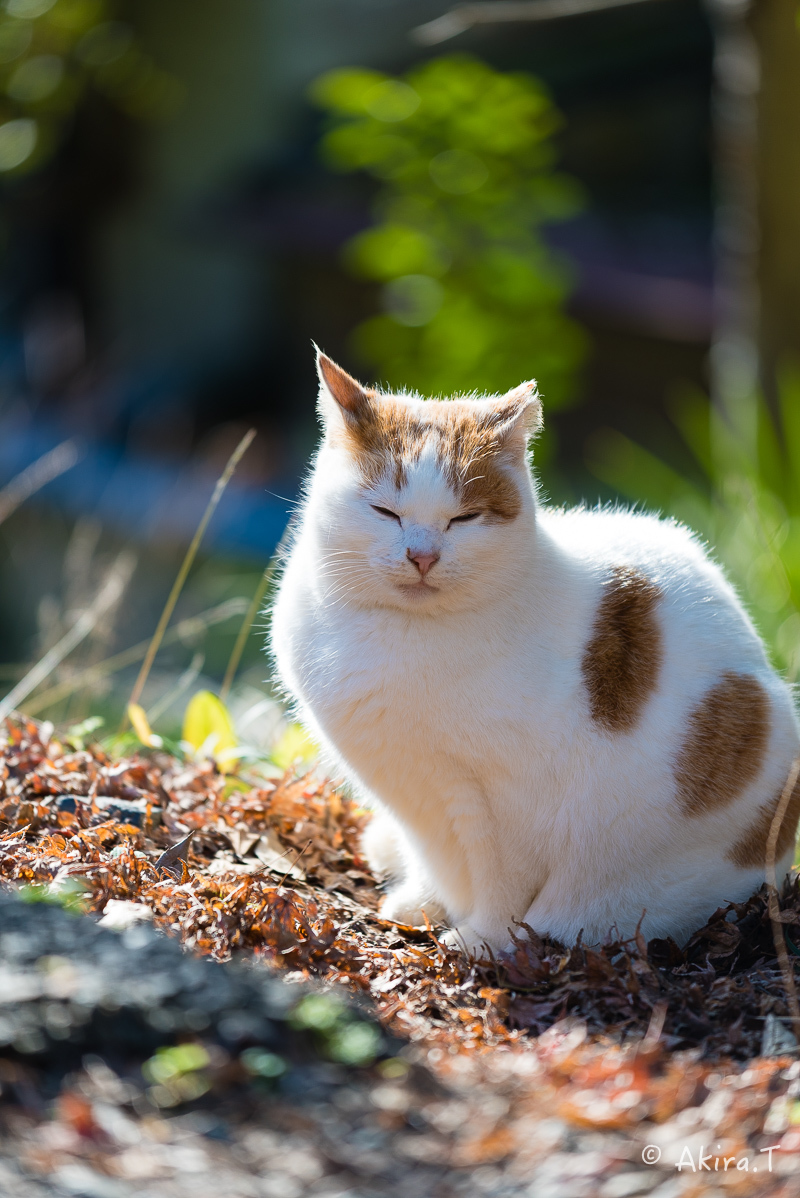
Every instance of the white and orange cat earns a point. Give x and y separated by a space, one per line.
564 718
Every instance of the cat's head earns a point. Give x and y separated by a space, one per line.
419 504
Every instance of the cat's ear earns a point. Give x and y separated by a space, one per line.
518 414
341 397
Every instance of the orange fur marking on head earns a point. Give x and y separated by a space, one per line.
622 661
475 443
725 746
389 436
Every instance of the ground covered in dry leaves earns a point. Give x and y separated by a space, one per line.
549 1072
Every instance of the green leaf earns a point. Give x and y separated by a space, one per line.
79 734
208 728
235 786
392 250
295 746
345 90
70 895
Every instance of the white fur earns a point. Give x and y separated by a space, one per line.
462 712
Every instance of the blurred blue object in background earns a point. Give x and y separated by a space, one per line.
144 499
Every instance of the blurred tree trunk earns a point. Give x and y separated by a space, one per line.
774 26
757 167
757 224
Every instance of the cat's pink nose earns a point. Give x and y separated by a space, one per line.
423 561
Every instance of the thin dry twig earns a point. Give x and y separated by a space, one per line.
252 612
304 850
177 586
41 472
465 16
118 578
191 626
774 905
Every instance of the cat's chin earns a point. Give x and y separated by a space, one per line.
418 592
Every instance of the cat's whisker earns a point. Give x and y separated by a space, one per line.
337 588
334 599
334 593
337 569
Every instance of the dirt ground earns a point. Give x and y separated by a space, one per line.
305 1046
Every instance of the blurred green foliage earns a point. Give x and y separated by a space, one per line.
745 499
70 895
262 1064
177 1074
51 53
472 298
342 1035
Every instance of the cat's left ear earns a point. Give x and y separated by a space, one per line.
340 395
518 415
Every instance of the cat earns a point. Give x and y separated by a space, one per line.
563 718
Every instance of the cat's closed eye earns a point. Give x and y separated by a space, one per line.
464 519
385 511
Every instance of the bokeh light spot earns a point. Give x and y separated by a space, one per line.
28 8
105 44
391 101
15 37
17 142
413 300
36 79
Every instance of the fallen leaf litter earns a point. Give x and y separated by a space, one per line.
558 1065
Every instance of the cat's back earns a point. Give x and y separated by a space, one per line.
667 624
666 566
668 552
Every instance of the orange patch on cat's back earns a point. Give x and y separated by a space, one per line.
390 436
750 850
725 745
622 661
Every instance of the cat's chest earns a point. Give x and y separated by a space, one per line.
398 661
407 692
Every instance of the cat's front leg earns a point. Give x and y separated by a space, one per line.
390 856
385 847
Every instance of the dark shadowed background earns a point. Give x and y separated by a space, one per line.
174 233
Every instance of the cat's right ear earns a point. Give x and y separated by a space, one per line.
341 397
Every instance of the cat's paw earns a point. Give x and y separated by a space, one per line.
465 939
406 906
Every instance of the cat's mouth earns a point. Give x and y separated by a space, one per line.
418 590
